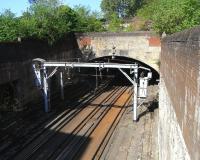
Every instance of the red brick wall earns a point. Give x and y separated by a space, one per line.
154 41
180 59
85 41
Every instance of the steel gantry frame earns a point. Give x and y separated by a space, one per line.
40 69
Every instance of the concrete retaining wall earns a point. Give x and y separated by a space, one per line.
171 142
179 113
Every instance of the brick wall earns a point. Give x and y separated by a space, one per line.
154 41
180 71
16 67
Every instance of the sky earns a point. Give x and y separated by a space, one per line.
18 6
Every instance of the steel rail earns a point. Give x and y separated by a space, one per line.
75 146
103 128
58 126
63 117
98 111
100 151
46 145
43 125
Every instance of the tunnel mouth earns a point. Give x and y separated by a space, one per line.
118 76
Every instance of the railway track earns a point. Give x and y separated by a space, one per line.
29 133
86 129
79 132
82 134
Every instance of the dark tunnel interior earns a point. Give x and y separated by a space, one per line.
118 76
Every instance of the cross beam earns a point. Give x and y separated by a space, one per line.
89 65
40 69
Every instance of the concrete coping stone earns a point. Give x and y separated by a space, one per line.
187 35
110 34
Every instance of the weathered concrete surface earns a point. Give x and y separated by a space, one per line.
180 113
170 139
136 141
142 46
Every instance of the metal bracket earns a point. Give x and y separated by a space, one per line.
126 75
52 73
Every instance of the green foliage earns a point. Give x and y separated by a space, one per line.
129 28
122 8
171 15
47 20
114 23
8 26
88 21
117 10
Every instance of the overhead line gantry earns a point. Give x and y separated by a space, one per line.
40 69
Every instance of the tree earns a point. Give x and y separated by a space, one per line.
87 21
171 15
114 23
8 26
122 8
48 20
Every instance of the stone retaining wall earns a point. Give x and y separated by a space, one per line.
141 45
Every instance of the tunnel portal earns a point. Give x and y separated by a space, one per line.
123 60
